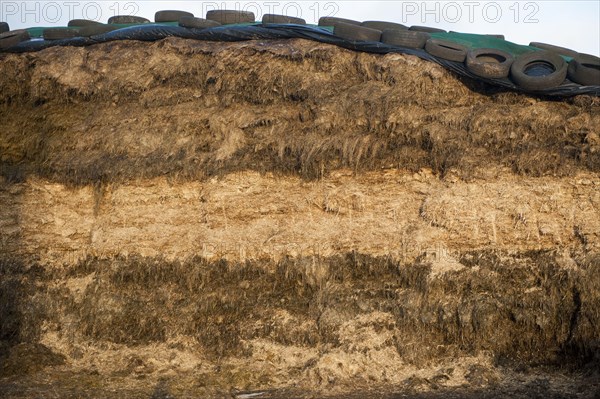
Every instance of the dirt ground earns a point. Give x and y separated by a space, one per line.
520 386
277 219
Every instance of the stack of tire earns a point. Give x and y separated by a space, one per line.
391 33
534 71
543 68
537 70
88 28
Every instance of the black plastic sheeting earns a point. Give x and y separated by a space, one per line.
275 31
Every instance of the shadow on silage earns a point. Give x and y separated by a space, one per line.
22 313
19 317
24 305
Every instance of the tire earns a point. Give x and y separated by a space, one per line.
171 15
60 33
426 29
331 21
93 30
405 38
585 70
525 62
446 49
4 27
383 25
229 17
356 33
12 38
128 19
489 62
197 23
282 19
567 52
83 22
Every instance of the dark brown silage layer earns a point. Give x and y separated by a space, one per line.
522 307
197 109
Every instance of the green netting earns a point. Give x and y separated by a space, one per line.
472 40
39 30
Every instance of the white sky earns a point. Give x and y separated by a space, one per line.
572 24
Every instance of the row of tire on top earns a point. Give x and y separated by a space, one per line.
88 28
552 67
